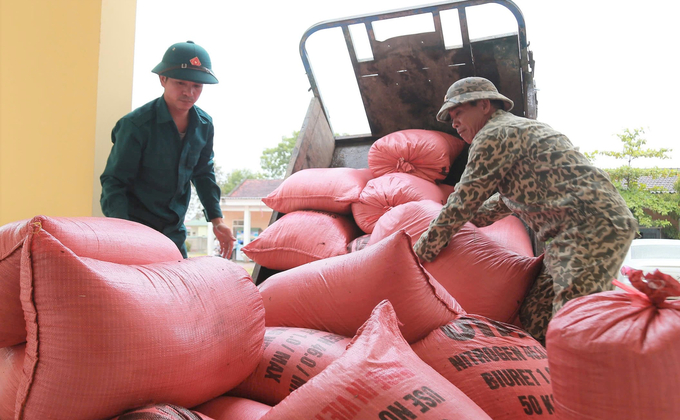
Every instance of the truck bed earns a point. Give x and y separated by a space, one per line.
403 85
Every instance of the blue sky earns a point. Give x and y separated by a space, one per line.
601 66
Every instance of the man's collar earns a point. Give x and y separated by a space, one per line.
498 113
163 113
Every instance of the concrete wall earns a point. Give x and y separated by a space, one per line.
51 96
114 91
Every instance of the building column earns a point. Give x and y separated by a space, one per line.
246 226
211 239
114 87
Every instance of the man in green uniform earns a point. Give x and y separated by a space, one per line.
162 147
521 166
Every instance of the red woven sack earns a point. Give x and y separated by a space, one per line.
413 218
301 237
233 408
378 377
338 294
291 357
416 216
104 338
106 239
447 189
615 355
163 412
501 368
11 373
485 278
388 191
511 234
426 154
326 189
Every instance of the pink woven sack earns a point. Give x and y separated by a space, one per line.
378 377
301 237
501 368
413 218
483 276
106 239
233 408
615 355
427 154
446 189
337 294
326 189
388 191
11 373
292 356
511 234
104 338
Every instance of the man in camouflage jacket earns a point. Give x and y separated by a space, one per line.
524 167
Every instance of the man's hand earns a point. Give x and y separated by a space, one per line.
424 250
224 236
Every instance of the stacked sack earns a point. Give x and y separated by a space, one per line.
615 354
323 359
316 224
102 316
329 212
378 377
486 277
500 367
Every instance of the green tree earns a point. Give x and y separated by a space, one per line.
226 181
641 200
235 177
274 161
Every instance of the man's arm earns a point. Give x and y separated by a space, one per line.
493 210
121 169
203 178
224 236
486 167
209 194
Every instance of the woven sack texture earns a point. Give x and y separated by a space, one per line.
301 237
501 368
427 154
326 189
106 239
291 357
104 338
388 191
338 294
378 377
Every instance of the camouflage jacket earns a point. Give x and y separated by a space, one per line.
522 166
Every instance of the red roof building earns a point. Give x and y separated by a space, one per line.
244 212
254 188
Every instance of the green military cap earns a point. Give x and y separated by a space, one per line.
186 61
470 89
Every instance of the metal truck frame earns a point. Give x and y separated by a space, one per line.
404 84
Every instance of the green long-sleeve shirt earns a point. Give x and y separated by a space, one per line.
148 173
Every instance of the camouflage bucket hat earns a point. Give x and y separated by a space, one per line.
186 61
470 89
